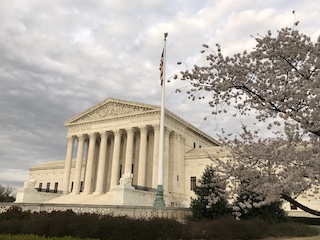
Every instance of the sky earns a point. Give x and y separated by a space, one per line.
60 57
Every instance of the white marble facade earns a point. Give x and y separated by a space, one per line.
112 159
119 139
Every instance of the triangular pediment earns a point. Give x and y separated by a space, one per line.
111 108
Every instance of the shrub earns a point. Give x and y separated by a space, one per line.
93 226
245 205
58 224
34 237
15 212
211 201
230 228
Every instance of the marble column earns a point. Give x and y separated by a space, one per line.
129 151
67 167
77 178
102 163
166 160
155 156
115 159
142 157
176 162
181 160
89 169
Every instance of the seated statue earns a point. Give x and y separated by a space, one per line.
126 179
31 183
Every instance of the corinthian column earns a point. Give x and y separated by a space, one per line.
89 168
129 150
155 156
77 178
166 159
102 162
115 159
67 166
142 156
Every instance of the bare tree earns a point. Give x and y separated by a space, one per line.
6 194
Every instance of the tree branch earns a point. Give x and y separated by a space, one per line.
299 205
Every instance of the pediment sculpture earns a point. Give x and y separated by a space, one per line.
112 109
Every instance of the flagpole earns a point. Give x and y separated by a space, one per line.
159 201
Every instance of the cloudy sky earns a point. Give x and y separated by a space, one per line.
60 57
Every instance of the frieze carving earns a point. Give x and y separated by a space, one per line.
84 124
199 136
80 127
146 117
110 110
72 129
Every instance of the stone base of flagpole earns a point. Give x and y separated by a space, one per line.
159 201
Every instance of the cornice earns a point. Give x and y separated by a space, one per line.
152 114
193 130
48 166
86 125
107 101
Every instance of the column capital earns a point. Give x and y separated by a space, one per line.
167 131
130 131
117 132
143 129
81 137
92 135
71 138
156 128
104 134
176 136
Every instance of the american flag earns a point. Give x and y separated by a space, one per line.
161 68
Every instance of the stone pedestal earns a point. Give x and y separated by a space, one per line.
28 194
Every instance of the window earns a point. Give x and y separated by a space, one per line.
132 168
55 187
71 186
194 145
193 183
81 186
177 178
48 187
40 187
293 207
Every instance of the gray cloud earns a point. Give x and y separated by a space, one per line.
59 58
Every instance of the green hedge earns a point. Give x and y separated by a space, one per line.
308 221
34 237
59 224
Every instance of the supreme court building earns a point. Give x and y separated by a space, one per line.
112 158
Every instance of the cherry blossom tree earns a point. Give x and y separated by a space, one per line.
278 82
